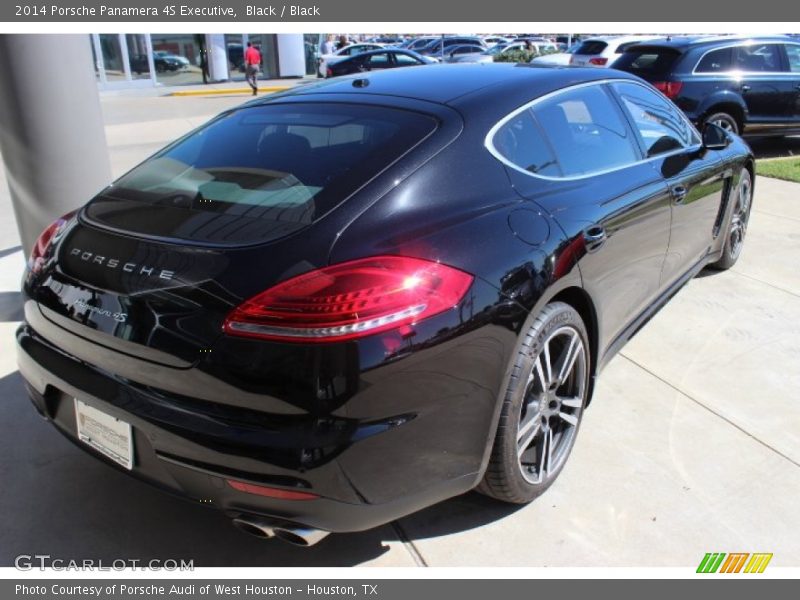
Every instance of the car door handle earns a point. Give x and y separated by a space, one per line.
745 88
594 237
679 193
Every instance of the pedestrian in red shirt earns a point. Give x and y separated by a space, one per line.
252 65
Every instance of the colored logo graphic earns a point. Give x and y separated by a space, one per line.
735 562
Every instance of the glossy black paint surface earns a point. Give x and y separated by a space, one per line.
392 422
764 103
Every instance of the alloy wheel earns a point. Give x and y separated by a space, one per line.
552 407
725 124
741 214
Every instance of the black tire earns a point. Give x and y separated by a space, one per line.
725 120
529 398
741 204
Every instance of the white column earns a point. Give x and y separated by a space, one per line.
291 55
98 53
217 57
151 64
51 128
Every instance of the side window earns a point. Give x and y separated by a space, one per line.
716 61
404 60
520 142
586 131
757 58
659 123
379 61
793 54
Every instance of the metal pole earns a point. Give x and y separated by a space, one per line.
51 128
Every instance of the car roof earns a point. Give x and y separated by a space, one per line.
443 83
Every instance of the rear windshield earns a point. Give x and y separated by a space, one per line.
647 61
260 172
591 47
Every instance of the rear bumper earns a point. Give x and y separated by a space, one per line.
430 444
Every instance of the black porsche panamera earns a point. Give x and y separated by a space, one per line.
326 309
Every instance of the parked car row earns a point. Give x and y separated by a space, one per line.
383 58
343 53
603 51
747 85
430 49
500 50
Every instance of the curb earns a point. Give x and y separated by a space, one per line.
221 91
777 158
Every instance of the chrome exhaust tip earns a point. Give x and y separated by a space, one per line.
265 528
300 536
255 526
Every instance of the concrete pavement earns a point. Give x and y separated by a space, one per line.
692 443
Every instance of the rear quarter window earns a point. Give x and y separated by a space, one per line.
522 143
716 61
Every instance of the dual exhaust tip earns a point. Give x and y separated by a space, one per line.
264 528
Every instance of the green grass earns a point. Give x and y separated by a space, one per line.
783 168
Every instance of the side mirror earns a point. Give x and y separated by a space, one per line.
715 137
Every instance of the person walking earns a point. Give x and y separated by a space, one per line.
328 46
252 65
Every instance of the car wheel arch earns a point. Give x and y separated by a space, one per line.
582 302
569 291
734 109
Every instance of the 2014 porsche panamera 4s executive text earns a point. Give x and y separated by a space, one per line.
329 308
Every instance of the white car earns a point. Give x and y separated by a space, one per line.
558 59
601 52
350 50
494 40
489 55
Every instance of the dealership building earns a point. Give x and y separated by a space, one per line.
140 60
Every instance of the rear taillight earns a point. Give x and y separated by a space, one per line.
350 300
572 60
329 72
671 89
45 240
598 61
